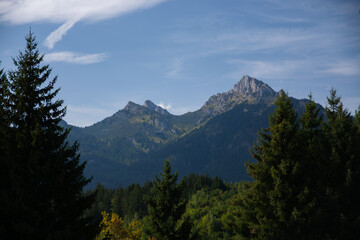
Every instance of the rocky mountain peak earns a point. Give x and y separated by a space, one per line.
150 105
249 86
132 107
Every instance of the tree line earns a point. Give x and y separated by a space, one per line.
305 170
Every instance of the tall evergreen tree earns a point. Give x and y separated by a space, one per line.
313 201
5 156
306 176
343 170
272 206
47 178
166 207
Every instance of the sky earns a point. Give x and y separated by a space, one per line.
178 53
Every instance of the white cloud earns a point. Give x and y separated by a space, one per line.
58 34
77 58
164 106
67 12
176 110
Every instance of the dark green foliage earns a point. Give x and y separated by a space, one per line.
273 204
45 192
129 202
306 175
166 207
195 182
5 156
311 201
221 146
342 148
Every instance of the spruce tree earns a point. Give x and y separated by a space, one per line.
166 207
271 208
314 162
47 200
5 155
306 175
342 183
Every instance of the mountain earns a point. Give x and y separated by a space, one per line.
131 145
247 89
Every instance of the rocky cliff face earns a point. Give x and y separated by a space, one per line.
248 88
251 87
150 105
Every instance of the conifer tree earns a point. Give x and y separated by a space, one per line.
272 205
166 207
314 174
343 170
306 176
5 156
46 195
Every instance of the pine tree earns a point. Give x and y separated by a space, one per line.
5 156
313 200
47 182
166 207
271 208
306 176
343 170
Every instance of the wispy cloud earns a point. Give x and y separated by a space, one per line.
269 69
175 68
58 34
77 58
294 69
67 12
344 68
248 41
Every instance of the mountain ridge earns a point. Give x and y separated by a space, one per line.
132 144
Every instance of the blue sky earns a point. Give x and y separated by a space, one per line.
178 53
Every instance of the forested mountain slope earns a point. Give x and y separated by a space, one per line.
131 145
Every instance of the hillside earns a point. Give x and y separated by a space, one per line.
132 144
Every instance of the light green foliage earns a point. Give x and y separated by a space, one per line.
114 228
215 214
